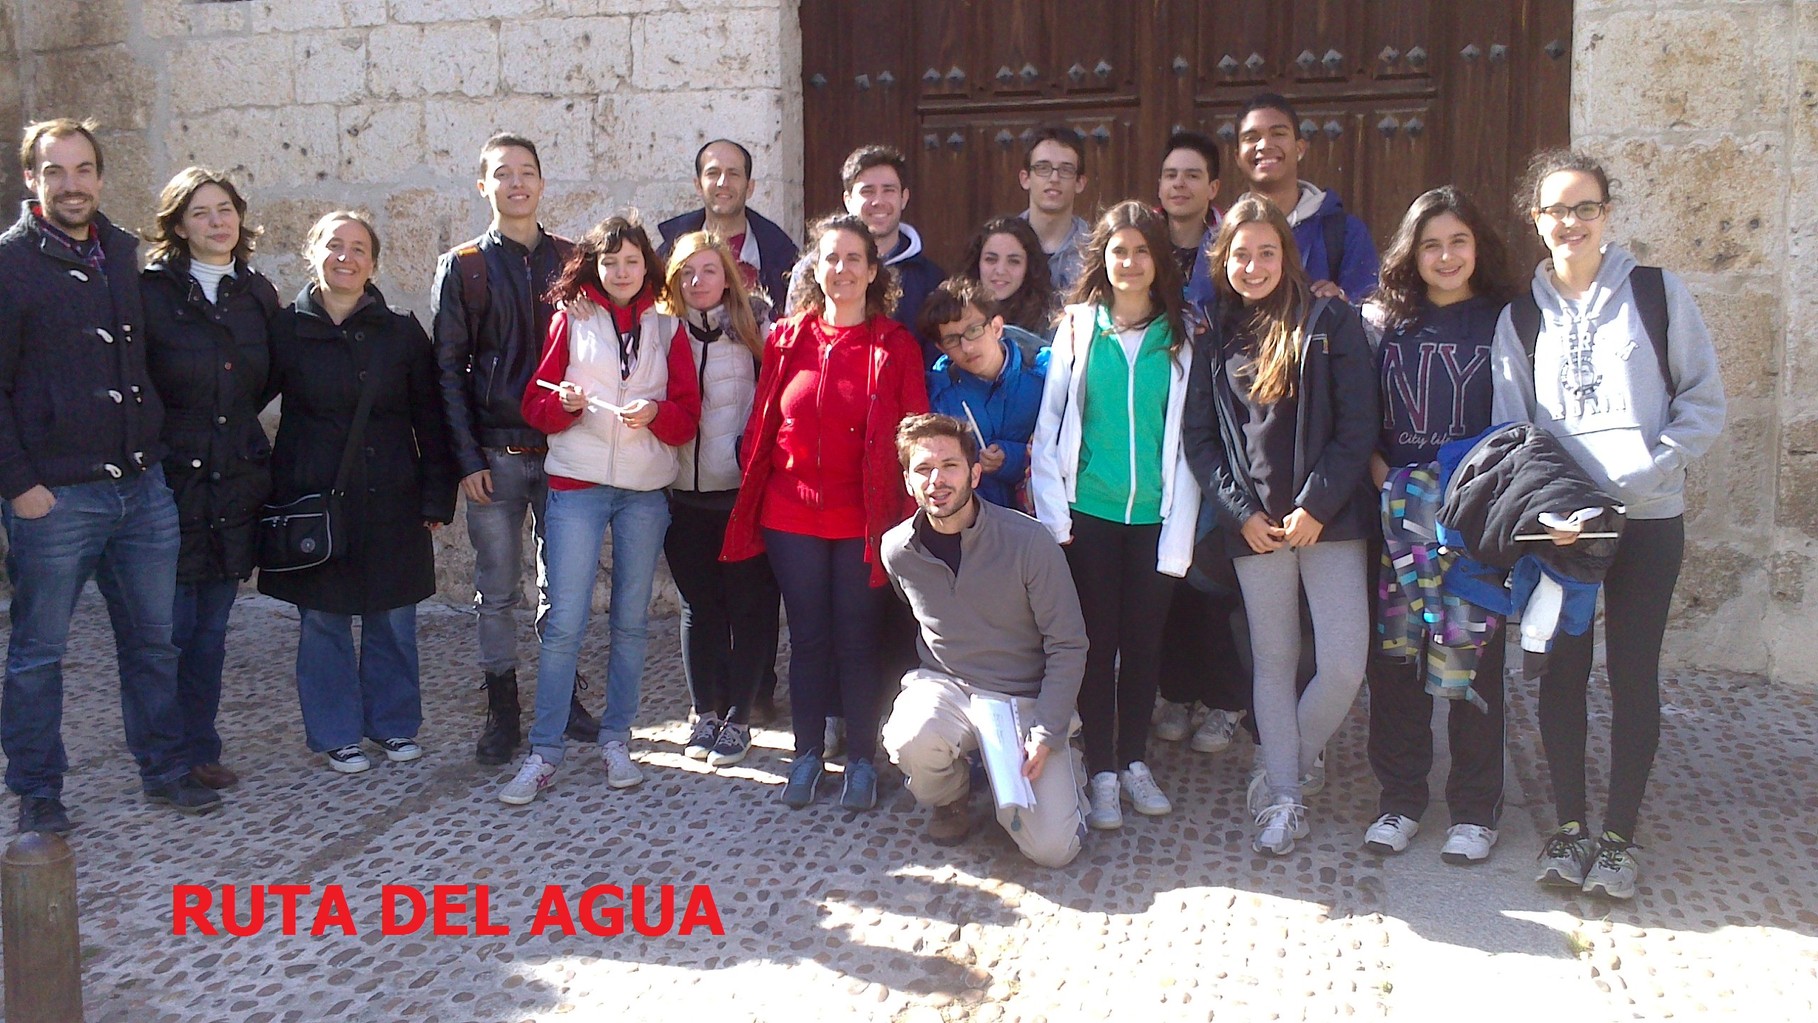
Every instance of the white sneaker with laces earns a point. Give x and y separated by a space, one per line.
349 759
1145 795
1257 795
621 773
1467 844
1216 731
401 750
1278 825
1172 721
1105 814
1391 833
536 775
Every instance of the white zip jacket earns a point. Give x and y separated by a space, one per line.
1054 450
598 448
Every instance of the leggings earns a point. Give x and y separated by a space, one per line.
729 613
834 614
1124 601
1637 592
1294 731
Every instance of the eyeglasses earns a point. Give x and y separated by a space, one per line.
1063 171
949 342
1583 212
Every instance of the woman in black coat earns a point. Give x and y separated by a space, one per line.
338 334
207 316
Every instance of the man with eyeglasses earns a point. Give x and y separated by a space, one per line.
984 379
1054 175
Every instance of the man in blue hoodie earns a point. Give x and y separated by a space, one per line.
1335 246
875 186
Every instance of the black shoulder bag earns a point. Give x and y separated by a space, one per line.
310 530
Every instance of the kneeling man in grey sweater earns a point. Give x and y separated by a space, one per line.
997 615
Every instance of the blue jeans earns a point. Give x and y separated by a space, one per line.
123 534
374 695
199 630
834 628
578 521
496 530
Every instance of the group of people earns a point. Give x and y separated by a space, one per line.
1094 479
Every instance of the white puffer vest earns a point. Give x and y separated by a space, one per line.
728 377
600 449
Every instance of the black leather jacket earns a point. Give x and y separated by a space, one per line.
485 367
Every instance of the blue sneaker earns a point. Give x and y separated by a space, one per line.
861 786
803 777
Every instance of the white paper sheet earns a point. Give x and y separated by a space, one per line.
1000 739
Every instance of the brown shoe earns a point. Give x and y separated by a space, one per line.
950 824
214 776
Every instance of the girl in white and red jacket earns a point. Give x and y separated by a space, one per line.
616 393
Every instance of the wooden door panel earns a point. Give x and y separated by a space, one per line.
1236 55
946 55
1094 50
1016 52
1321 45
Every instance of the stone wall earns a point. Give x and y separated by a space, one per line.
1708 114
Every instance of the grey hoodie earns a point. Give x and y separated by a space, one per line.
1598 386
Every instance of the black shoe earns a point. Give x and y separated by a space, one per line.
43 813
184 795
504 731
582 726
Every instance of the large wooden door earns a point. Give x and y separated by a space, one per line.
1394 96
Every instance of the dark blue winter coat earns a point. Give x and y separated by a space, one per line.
1005 409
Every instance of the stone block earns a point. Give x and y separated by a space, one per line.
461 10
572 212
310 15
1718 607
641 136
286 222
1797 506
1744 314
418 225
1725 491
329 67
64 84
406 61
1788 572
735 49
167 19
1804 113
380 142
69 25
565 56
559 126
587 7
264 148
207 74
1678 204
130 193
1703 67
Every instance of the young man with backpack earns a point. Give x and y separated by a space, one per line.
1335 246
490 317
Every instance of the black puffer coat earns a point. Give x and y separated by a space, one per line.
1509 475
403 475
209 362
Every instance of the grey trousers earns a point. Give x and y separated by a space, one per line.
1334 574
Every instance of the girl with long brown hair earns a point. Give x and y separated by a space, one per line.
1279 428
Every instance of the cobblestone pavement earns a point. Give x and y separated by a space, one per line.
832 915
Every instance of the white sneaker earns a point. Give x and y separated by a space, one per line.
349 759
401 750
1145 795
1467 844
1216 731
536 775
1172 721
1278 825
1257 794
1314 780
621 773
1105 814
1391 833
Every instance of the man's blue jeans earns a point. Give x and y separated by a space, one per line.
578 521
496 531
344 697
123 534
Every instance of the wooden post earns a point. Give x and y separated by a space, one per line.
43 950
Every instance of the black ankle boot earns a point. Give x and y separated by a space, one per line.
504 731
582 726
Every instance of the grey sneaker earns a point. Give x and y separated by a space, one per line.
1278 825
833 739
621 773
1105 814
1145 795
702 736
1613 873
536 775
1467 844
1315 780
1172 721
1565 857
1257 795
1216 731
730 747
1391 833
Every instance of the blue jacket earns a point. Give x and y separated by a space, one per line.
1005 409
776 250
1199 283
1357 270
